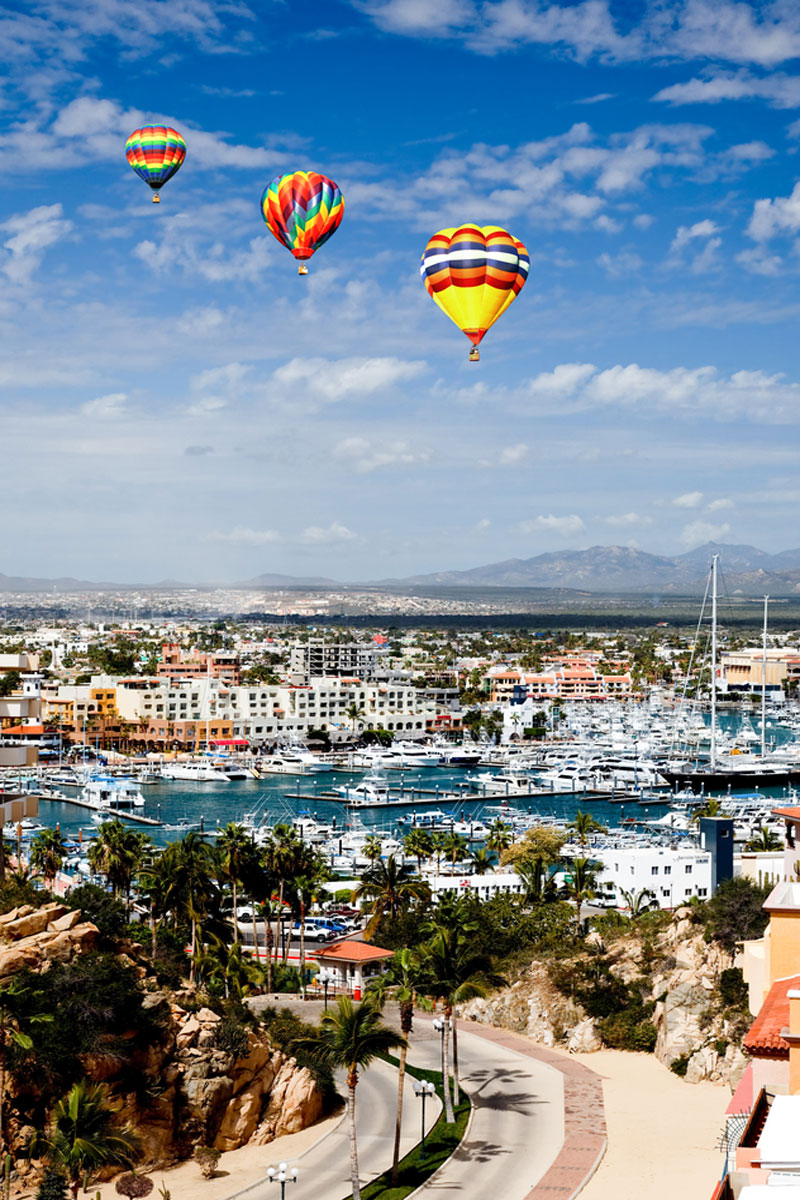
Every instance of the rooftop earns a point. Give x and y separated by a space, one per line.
784 896
353 952
764 1036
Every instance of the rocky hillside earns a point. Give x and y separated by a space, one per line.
185 1077
669 991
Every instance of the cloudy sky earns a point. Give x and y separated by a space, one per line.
176 401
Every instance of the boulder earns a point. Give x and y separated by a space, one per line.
67 921
26 926
294 1103
584 1038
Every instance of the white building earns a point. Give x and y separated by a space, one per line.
674 875
264 713
484 887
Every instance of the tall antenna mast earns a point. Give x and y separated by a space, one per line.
714 562
764 682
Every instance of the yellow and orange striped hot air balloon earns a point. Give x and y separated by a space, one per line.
474 273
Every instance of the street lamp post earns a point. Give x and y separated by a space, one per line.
282 1175
443 1028
325 977
423 1089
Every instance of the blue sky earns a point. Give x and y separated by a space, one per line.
177 402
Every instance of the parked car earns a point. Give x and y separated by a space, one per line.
314 933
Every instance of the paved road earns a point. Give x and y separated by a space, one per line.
324 1171
517 1124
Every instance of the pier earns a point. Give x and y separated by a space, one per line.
125 815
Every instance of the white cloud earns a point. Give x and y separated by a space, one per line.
687 233
240 535
364 456
335 532
780 215
779 91
353 377
627 520
688 500
698 532
721 504
563 525
758 262
482 525
512 455
31 234
105 407
619 266
721 30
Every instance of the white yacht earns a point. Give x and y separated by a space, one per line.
504 785
416 755
194 771
292 762
112 792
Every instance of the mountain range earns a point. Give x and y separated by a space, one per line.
745 570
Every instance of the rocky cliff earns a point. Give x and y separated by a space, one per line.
678 973
181 1087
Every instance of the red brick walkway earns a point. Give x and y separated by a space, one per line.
584 1116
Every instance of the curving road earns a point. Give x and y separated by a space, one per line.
517 1125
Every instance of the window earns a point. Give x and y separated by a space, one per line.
688 870
702 891
654 870
667 870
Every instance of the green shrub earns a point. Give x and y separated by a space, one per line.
721 1045
103 910
680 1065
231 1036
733 990
53 1185
736 913
629 1030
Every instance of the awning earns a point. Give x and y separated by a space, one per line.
228 742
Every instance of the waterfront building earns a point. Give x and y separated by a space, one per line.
674 875
221 664
320 659
742 671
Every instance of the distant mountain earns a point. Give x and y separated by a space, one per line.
287 581
622 569
21 583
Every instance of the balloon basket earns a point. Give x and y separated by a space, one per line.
474 354
156 198
302 269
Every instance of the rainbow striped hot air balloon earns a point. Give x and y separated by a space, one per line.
474 273
302 211
155 153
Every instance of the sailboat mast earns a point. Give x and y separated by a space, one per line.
714 562
764 682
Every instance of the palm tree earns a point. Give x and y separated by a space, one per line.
155 883
351 1037
234 847
641 902
711 808
419 843
83 1136
191 888
500 837
12 1006
482 861
580 883
117 852
584 824
372 848
389 888
401 981
456 847
455 973
282 860
355 715
229 967
47 854
763 841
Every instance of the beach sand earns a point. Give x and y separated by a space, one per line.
662 1132
236 1170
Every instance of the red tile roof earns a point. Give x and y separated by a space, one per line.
19 730
764 1036
353 952
789 814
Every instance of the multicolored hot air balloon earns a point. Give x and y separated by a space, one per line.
473 274
155 153
302 211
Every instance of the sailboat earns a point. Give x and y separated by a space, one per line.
733 773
